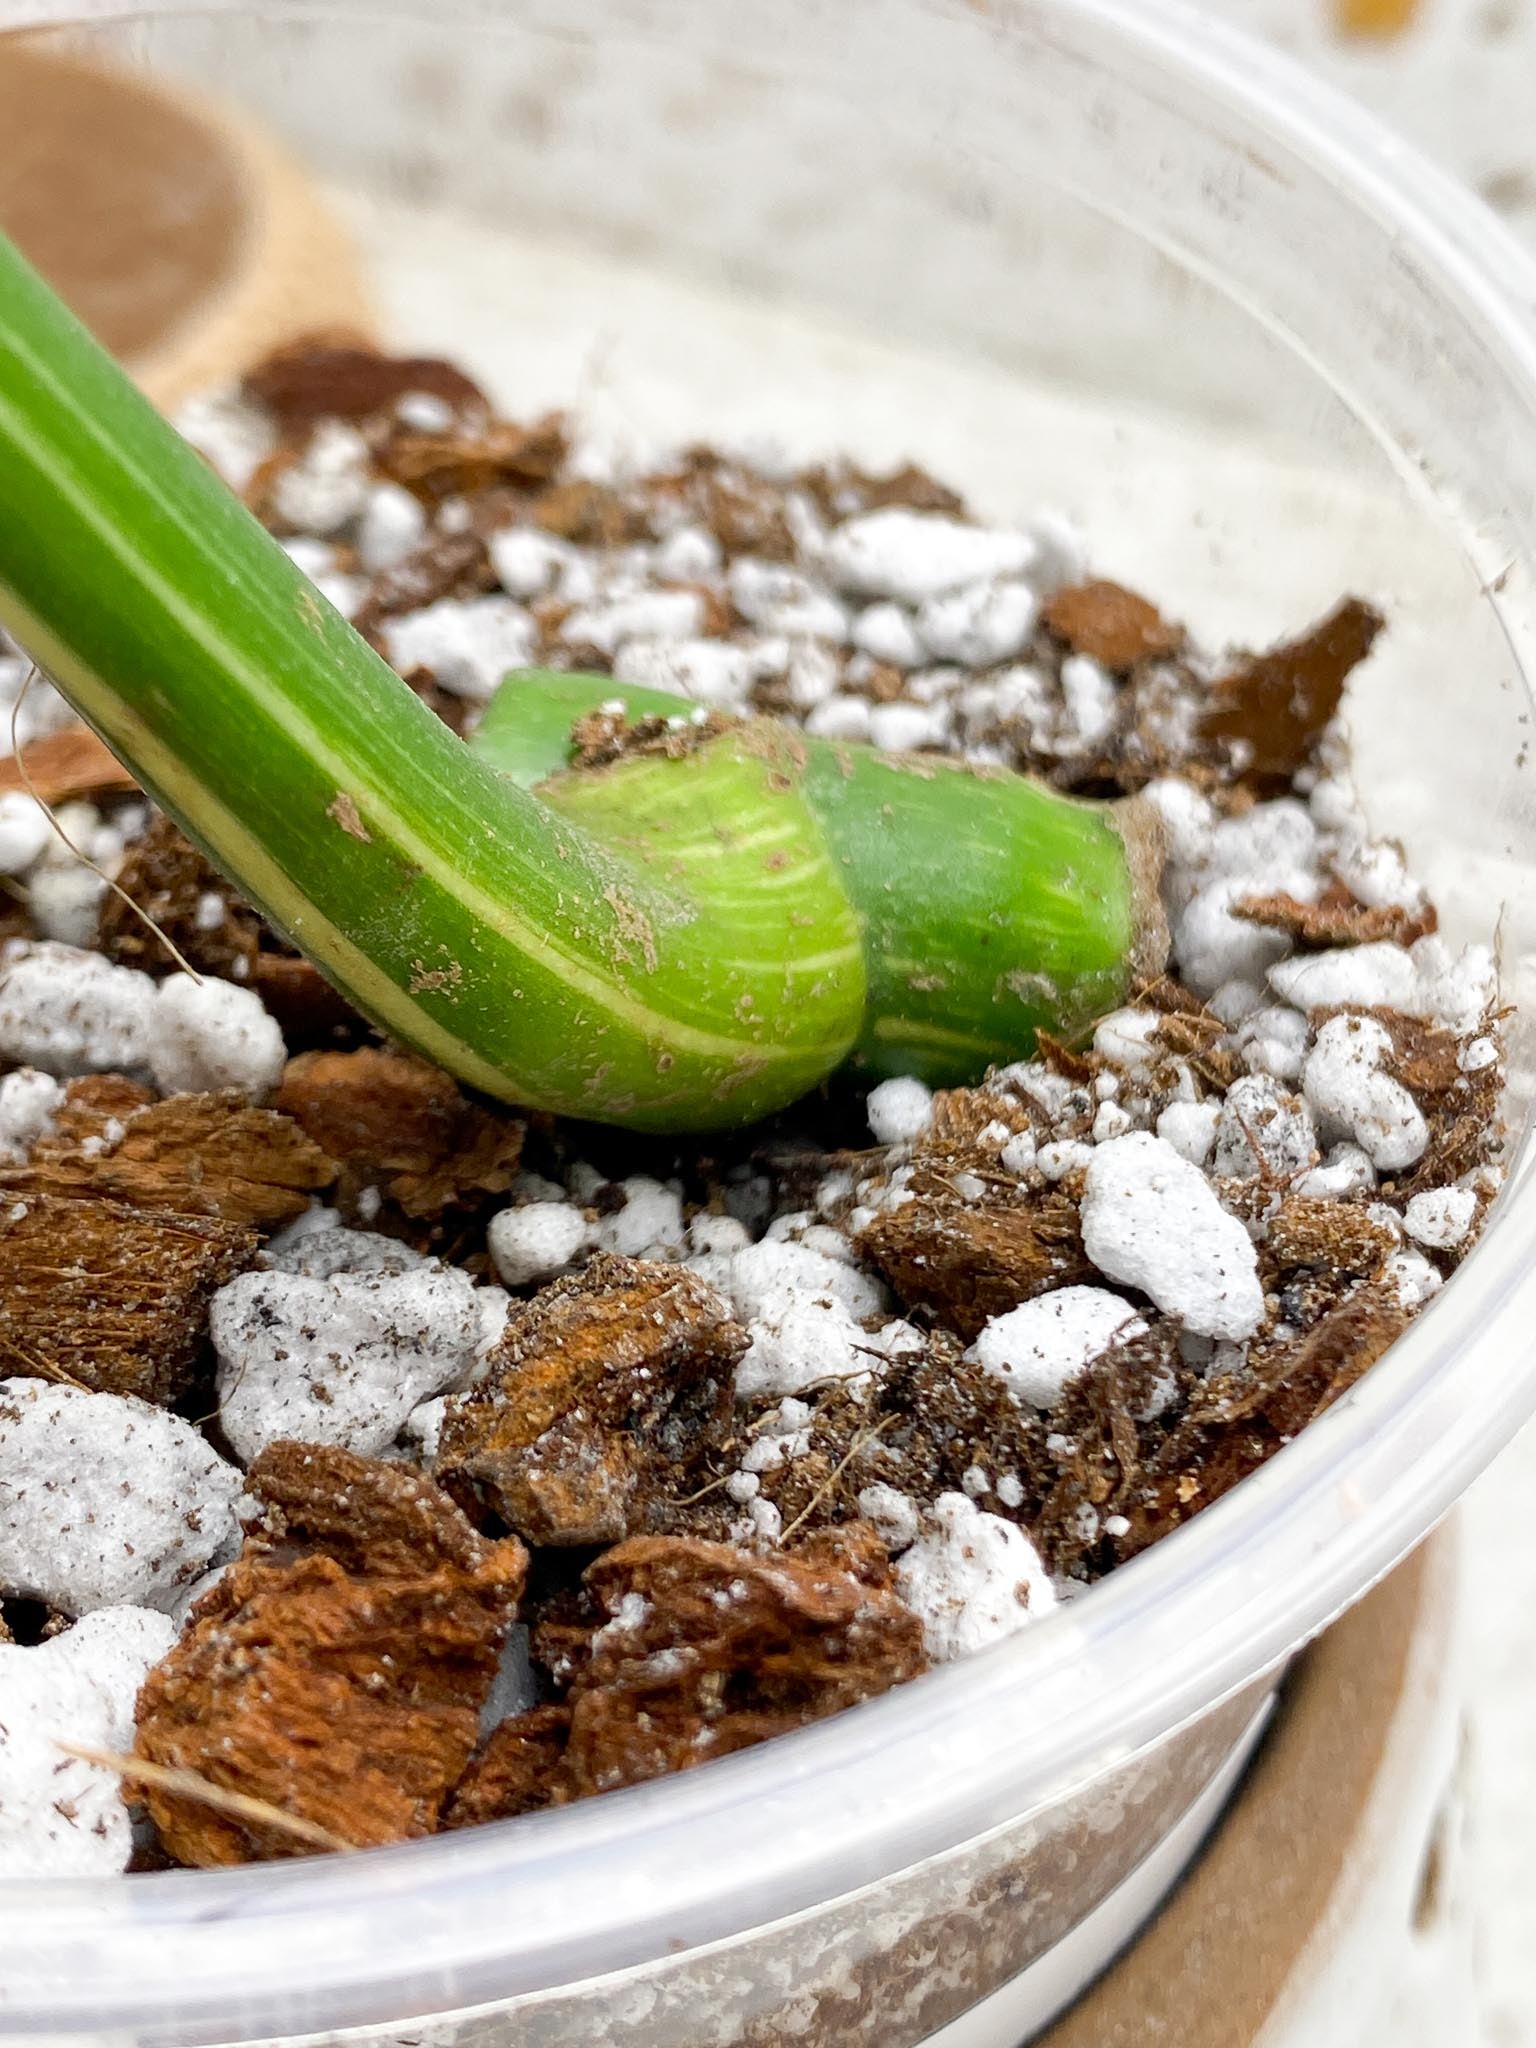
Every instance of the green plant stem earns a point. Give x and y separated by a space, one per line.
465 916
992 907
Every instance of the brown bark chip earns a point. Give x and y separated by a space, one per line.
1462 1110
841 488
520 1770
66 764
1337 1237
320 377
466 463
99 1295
1238 1421
969 1257
1272 709
1111 624
199 1155
604 1388
338 1670
1337 919
373 1517
591 514
970 1261
171 883
397 1124
759 1645
15 922
1144 1437
305 1007
707 1650
447 565
920 1426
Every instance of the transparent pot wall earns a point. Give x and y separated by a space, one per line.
1054 255
950 233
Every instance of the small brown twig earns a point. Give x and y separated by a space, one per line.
42 1368
860 1443
236 1805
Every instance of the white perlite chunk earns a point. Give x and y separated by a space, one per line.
1089 699
105 1501
840 717
1263 1129
717 1235
41 711
1345 1171
687 555
342 1360
1380 974
1128 1037
1213 946
911 555
1273 1040
716 672
1190 1128
886 633
780 600
69 1012
234 435
1038 1349
526 561
1412 1278
60 1816
1152 1221
1110 1121
778 1274
1354 1099
323 1250
468 643
65 902
649 615
1062 1156
898 1111
1020 1154
971 1578
650 1224
1458 991
891 1513
1440 1217
796 1345
1477 1055
28 1102
211 1034
422 1430
1188 818
328 485
537 1242
393 523
1255 844
905 728
980 625
24 830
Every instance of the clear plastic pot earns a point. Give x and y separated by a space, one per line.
1089 252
